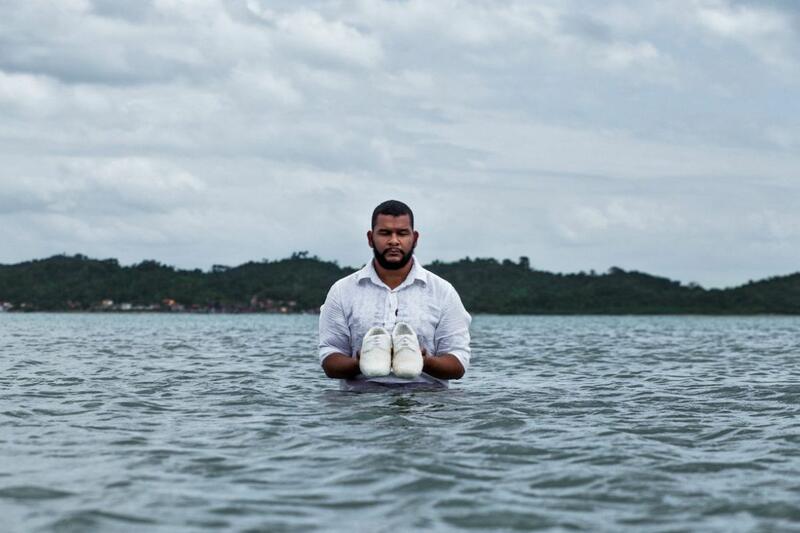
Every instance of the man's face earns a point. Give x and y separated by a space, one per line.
393 241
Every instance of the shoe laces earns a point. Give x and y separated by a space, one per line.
371 342
403 342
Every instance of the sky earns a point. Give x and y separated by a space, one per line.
654 136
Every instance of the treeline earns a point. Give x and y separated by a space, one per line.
299 283
489 286
63 282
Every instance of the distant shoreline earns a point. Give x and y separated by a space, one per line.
309 313
299 284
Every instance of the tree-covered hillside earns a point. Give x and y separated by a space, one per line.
78 282
300 283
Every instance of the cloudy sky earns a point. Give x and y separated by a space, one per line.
657 136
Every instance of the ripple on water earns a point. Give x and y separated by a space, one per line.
92 519
181 422
32 492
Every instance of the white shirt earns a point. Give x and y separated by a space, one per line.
426 302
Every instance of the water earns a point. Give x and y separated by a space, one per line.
195 423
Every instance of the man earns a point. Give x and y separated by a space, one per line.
393 287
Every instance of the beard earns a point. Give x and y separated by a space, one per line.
396 265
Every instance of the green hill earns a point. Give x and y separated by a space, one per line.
77 282
300 283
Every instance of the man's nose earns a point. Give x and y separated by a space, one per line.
394 238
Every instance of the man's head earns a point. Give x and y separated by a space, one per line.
392 237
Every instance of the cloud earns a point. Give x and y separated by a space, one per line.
580 134
118 187
328 43
588 223
764 30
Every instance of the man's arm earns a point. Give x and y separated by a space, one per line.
444 366
451 340
334 339
340 366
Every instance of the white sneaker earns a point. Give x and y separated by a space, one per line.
407 360
376 353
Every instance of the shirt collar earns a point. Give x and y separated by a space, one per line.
417 273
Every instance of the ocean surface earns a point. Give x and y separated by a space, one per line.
156 422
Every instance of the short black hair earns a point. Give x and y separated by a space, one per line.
394 208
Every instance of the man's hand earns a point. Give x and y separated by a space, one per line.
341 366
444 366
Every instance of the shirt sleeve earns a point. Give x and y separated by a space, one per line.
452 333
334 335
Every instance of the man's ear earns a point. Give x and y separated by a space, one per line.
369 239
416 237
